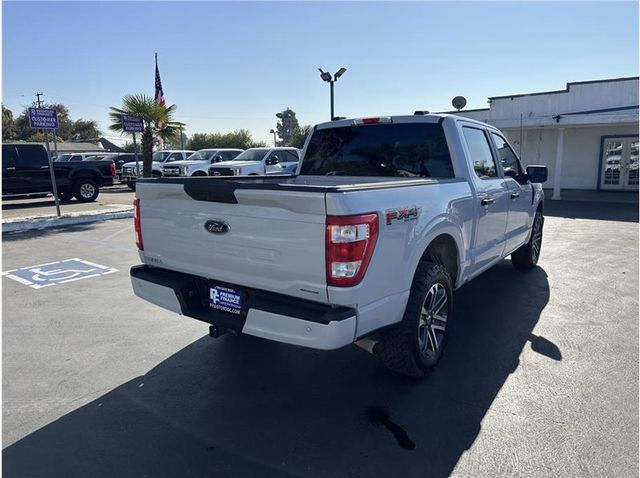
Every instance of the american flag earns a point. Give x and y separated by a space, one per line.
159 92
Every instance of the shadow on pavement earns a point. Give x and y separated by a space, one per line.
36 233
601 211
240 406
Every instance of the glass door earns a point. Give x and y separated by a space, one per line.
620 164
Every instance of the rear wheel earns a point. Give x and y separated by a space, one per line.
85 190
526 257
416 344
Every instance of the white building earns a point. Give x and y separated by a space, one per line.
586 134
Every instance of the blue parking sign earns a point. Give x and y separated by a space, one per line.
43 118
59 272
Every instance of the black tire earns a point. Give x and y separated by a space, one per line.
407 347
199 173
526 257
132 186
65 195
156 174
85 190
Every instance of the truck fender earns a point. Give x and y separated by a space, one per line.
439 226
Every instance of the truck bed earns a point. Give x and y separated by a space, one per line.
221 189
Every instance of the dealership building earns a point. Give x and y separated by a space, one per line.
586 134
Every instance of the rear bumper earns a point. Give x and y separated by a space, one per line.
267 314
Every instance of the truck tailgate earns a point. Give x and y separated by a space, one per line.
266 247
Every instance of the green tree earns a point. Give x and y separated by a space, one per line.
299 136
8 131
241 139
85 129
286 126
158 121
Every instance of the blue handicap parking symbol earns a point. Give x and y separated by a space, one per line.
52 273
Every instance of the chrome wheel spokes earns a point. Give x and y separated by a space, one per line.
433 319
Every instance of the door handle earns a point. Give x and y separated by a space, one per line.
515 195
487 201
11 168
44 167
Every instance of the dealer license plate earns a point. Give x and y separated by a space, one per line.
225 299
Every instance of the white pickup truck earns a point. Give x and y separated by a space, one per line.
259 161
159 159
199 162
383 220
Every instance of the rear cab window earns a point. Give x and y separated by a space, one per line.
388 149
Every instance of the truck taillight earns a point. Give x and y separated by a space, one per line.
350 241
112 168
136 223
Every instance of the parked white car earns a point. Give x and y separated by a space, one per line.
259 161
198 163
160 158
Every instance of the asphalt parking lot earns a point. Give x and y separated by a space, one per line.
540 377
117 195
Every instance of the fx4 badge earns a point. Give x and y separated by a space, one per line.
410 213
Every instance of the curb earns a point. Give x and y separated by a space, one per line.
45 222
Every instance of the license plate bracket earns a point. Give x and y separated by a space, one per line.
226 299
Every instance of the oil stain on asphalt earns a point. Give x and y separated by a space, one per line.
380 416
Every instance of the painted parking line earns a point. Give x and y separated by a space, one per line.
60 272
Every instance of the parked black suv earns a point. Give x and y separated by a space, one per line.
25 170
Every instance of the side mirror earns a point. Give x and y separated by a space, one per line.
217 159
272 160
537 174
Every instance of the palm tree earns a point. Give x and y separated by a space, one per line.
157 118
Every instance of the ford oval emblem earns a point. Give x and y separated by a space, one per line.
216 227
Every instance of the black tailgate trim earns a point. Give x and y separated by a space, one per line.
193 295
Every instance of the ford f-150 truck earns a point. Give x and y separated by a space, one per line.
199 162
25 171
383 220
159 159
259 161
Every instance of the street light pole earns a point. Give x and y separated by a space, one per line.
274 137
331 88
326 76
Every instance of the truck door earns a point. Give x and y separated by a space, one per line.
520 215
31 169
492 200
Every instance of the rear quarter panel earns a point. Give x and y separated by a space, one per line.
444 208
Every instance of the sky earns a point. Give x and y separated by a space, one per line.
231 65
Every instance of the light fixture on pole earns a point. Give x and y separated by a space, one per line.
273 131
326 76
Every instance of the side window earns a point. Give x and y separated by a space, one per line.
481 157
32 156
9 156
508 159
76 157
229 155
174 157
291 157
